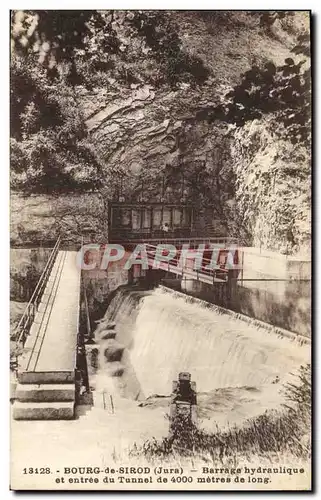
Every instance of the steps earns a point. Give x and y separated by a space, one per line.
44 401
45 392
50 377
49 410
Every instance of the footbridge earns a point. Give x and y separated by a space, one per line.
47 336
213 261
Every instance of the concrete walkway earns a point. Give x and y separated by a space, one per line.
51 345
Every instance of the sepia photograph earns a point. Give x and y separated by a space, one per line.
160 250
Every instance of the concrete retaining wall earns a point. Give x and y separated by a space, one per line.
293 313
285 304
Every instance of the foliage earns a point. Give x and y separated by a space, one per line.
268 18
282 90
162 36
32 105
55 35
299 395
53 51
269 118
50 149
90 38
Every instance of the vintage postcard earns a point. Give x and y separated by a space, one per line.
160 274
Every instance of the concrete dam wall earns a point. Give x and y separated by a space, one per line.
163 333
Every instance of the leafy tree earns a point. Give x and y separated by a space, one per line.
33 105
56 36
53 51
162 36
50 147
284 91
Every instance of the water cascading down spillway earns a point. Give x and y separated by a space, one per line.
161 333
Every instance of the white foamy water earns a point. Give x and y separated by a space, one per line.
164 333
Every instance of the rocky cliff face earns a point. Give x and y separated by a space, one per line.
149 132
38 220
273 189
141 126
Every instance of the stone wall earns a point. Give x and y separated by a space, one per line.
37 220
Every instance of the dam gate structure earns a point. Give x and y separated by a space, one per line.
183 408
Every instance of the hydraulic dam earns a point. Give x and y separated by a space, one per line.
235 361
142 341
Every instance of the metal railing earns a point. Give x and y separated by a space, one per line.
26 320
225 241
88 323
218 273
83 286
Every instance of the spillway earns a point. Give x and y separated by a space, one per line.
164 333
